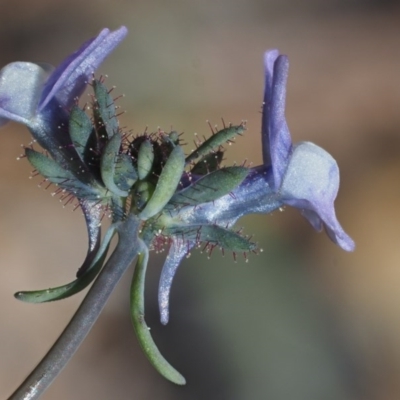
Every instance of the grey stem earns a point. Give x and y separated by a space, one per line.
86 315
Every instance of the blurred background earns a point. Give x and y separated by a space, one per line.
302 320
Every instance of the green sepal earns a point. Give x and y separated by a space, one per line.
208 163
125 174
108 163
215 141
80 130
212 234
142 193
210 187
173 137
64 291
105 117
141 329
61 177
145 159
166 185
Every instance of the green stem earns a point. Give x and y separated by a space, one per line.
86 315
142 330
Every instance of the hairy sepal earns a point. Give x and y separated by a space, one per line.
215 141
63 178
104 111
210 187
214 235
166 185
125 174
108 164
145 159
80 130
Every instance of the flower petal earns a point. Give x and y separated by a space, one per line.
279 135
333 229
311 183
18 102
70 78
179 249
269 61
93 213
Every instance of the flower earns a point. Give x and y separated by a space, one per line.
43 103
155 194
303 175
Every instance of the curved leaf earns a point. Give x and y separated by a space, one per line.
64 291
104 112
108 163
52 171
145 159
142 330
215 141
167 183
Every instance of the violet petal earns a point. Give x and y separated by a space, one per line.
279 135
269 61
69 79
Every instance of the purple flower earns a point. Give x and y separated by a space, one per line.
43 101
155 194
303 175
40 97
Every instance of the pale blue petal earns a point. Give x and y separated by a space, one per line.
21 85
311 183
178 250
92 212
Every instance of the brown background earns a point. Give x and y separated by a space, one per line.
303 320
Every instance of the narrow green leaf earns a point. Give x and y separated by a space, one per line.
125 173
64 291
61 177
108 162
166 185
210 187
214 235
104 112
142 330
145 159
80 129
216 140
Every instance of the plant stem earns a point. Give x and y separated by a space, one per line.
86 315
